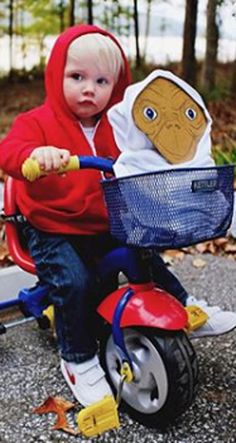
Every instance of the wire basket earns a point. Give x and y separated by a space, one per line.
172 208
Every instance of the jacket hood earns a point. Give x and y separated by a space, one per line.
56 63
138 152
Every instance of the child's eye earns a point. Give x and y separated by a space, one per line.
102 81
77 76
150 113
190 113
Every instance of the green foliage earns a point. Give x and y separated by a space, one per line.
220 92
116 17
45 18
23 75
142 72
224 155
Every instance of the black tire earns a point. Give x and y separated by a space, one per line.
166 374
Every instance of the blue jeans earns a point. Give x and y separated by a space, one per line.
67 264
164 279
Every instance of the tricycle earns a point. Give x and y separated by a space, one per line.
145 348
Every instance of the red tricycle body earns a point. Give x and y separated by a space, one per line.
144 325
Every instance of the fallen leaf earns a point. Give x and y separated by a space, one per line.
62 424
3 251
222 241
54 404
231 256
212 248
59 406
199 263
172 254
216 397
201 247
230 248
191 250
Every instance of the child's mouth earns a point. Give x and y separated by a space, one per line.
87 103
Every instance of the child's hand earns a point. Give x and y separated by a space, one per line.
50 158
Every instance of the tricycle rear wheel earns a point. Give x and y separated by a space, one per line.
165 370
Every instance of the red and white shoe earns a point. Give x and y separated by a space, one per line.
219 322
86 380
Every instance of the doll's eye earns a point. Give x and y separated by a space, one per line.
190 113
149 113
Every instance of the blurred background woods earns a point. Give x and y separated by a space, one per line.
196 39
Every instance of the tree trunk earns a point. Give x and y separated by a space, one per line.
188 69
23 38
10 33
136 31
72 13
147 28
90 12
62 15
212 38
233 84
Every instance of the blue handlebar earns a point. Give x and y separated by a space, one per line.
102 164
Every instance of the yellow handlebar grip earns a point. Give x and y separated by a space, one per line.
31 169
72 165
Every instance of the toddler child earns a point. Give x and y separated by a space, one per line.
67 224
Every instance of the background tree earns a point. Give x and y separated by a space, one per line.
136 33
188 65
61 14
10 34
2 16
72 13
147 28
212 40
45 20
20 21
90 12
233 84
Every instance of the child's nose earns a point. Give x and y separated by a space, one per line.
89 87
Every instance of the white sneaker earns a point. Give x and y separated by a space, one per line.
86 380
219 322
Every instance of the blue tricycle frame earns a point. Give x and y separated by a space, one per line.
147 212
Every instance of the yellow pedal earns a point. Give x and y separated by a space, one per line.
196 317
98 417
49 313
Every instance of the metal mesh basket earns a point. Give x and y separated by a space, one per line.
172 208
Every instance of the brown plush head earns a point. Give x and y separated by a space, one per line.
171 119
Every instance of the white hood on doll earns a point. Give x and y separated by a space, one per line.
138 155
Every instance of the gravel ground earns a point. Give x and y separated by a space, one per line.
29 373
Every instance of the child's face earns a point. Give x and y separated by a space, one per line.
87 87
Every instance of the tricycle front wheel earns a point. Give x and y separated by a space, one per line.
165 374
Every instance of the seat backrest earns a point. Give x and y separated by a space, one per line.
16 246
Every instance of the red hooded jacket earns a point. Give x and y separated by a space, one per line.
73 203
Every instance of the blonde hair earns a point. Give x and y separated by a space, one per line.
101 48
